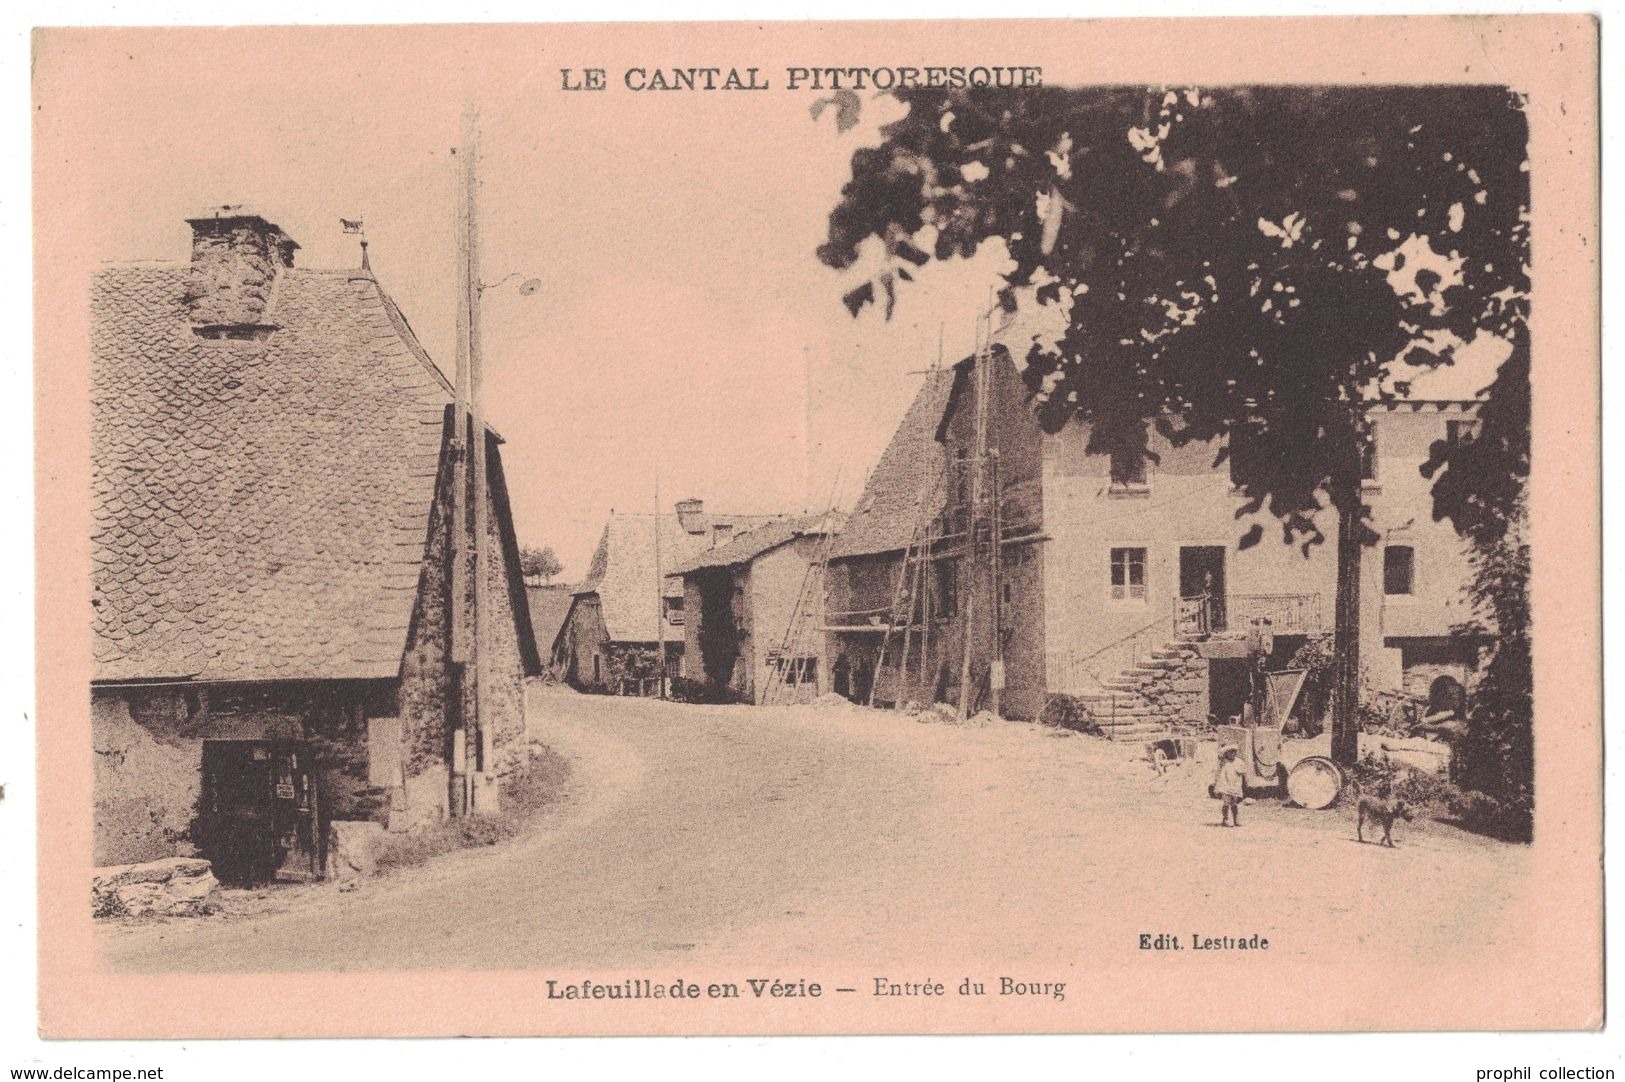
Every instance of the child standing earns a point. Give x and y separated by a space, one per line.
1229 787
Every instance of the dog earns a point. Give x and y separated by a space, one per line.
1383 813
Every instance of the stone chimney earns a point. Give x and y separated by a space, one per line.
236 255
691 515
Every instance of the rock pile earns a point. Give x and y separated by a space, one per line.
176 887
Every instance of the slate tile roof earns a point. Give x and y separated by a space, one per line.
260 507
909 469
747 546
622 572
549 606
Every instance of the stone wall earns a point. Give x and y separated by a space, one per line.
336 727
1425 661
426 670
1177 691
586 643
148 744
502 688
147 778
425 679
1167 688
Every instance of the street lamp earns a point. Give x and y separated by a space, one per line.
529 287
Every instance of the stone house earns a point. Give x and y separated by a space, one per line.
1104 565
743 630
905 489
610 636
272 467
1134 547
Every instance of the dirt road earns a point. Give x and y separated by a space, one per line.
747 835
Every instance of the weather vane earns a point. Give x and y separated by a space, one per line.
359 228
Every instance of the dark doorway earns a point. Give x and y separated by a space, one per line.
1229 684
1201 575
1447 695
261 815
863 681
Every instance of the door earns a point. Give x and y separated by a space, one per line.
1228 689
1201 575
261 816
296 814
235 832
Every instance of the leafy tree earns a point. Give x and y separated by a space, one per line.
539 562
1251 266
1481 486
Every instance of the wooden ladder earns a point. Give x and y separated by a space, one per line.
916 555
792 659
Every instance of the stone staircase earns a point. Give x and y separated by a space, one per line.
1164 688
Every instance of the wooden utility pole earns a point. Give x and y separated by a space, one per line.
480 735
468 511
459 432
660 599
996 607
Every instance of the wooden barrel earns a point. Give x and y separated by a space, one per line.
1314 782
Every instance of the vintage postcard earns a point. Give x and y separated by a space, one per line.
892 527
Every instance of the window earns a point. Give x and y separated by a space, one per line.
946 602
1128 469
798 670
1457 432
674 611
1368 458
1128 574
962 476
1398 570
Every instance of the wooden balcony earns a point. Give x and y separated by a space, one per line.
1233 614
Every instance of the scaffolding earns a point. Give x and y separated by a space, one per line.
790 667
941 531
910 614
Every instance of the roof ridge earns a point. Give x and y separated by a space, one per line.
402 329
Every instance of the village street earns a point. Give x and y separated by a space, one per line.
802 835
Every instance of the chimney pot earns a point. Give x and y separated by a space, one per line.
691 515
